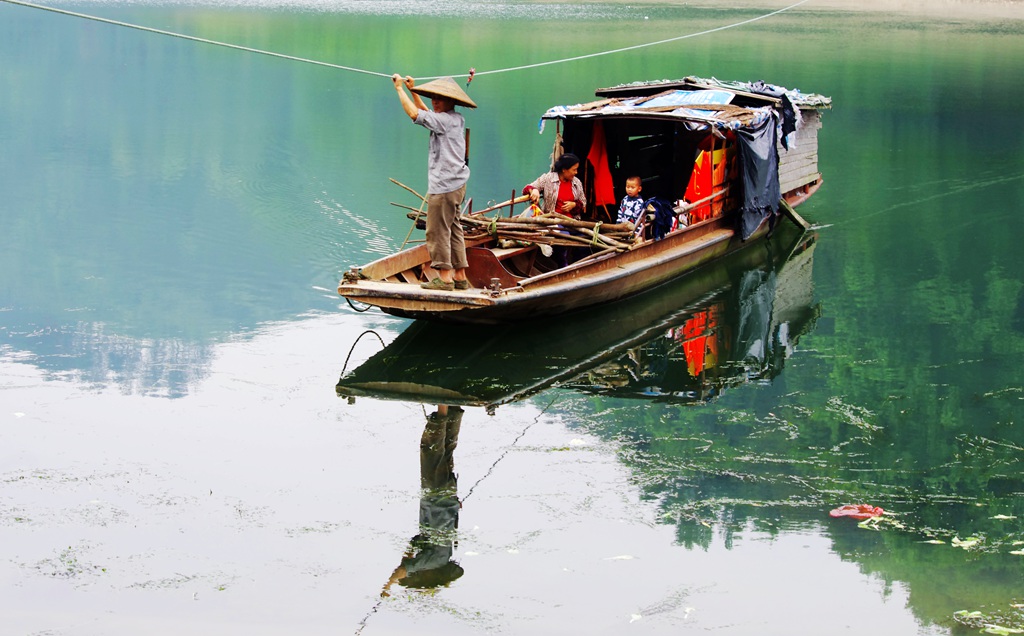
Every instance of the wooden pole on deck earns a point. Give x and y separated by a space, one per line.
402 185
793 216
501 205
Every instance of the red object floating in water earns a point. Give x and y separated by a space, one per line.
859 511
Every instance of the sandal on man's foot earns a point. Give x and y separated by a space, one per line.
438 284
462 284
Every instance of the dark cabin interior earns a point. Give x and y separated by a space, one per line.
660 152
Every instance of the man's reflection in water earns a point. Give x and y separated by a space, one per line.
428 561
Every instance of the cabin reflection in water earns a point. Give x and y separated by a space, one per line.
743 337
726 324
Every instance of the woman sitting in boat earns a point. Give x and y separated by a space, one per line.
563 193
561 189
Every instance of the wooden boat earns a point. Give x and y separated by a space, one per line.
710 152
733 322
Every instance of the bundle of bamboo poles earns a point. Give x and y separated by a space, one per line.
554 229
547 229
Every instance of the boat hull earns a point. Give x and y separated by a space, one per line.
595 282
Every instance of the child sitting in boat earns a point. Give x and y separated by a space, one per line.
631 210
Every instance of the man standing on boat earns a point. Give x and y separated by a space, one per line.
447 174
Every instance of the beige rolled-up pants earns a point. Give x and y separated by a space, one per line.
445 242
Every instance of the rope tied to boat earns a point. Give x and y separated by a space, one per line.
344 367
357 309
597 234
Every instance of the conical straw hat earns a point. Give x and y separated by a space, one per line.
445 87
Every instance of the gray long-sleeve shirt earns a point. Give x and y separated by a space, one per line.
446 164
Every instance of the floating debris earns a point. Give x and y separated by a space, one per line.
857 511
966 544
999 622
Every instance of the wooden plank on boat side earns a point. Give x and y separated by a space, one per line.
795 184
801 140
796 180
804 138
796 177
796 160
796 171
636 260
412 297
408 259
801 153
400 262
798 165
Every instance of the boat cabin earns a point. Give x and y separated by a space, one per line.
684 138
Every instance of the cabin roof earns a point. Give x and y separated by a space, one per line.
696 101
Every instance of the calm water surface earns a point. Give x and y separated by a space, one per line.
174 455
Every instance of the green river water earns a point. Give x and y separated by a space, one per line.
174 218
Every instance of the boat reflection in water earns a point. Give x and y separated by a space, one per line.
727 324
732 322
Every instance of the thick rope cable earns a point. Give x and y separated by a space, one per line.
191 37
627 48
524 67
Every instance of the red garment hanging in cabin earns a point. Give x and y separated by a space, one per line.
701 181
604 186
